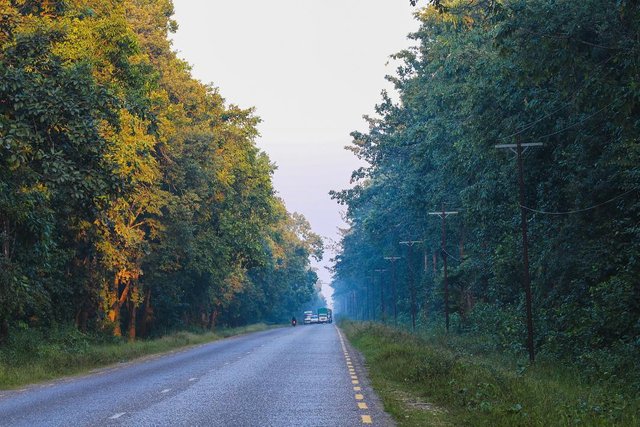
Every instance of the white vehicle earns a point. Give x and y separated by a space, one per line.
307 317
314 318
323 318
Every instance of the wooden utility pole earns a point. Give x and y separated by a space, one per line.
443 250
354 299
518 148
372 302
367 306
394 290
412 287
382 315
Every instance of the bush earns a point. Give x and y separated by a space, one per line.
489 389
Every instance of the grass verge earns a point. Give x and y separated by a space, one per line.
30 360
436 382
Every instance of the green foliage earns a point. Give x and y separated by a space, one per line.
133 199
484 73
35 355
439 380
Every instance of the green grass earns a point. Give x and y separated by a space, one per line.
443 380
31 359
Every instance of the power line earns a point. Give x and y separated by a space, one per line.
576 123
580 210
448 254
532 124
568 104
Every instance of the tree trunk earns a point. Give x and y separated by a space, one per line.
117 331
6 238
82 317
147 314
117 304
84 320
132 321
4 331
213 317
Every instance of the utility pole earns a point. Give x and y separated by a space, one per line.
354 298
443 248
518 148
382 316
367 306
393 260
372 298
412 287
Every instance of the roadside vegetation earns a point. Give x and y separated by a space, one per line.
133 198
34 355
533 269
431 379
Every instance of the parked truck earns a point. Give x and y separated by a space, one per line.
324 315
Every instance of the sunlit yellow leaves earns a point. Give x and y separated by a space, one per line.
9 19
454 12
131 150
166 179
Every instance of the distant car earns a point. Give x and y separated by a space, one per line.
307 317
322 318
314 318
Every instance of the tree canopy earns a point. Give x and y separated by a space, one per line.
132 196
480 74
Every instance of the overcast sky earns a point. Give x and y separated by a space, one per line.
312 69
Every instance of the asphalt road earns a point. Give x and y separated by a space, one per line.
302 376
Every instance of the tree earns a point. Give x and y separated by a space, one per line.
484 73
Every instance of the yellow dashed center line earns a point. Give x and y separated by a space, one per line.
366 419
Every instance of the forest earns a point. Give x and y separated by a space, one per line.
133 198
481 82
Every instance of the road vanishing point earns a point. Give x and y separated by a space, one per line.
302 376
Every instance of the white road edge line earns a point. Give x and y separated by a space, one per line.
116 416
166 390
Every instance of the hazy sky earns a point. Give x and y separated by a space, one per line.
312 69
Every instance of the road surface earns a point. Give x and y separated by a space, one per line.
302 376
